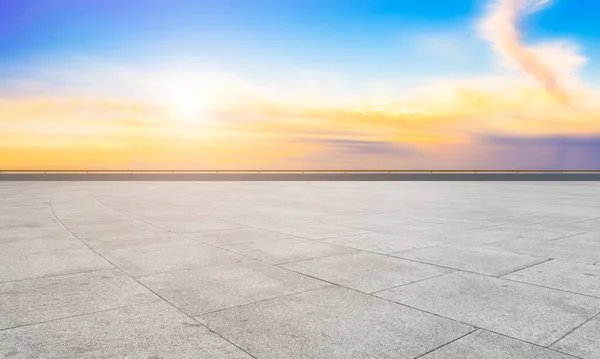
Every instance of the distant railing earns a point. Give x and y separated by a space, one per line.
55 171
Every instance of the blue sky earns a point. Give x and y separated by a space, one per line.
376 38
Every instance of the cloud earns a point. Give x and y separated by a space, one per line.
551 152
551 64
361 147
592 142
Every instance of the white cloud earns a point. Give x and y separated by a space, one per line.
554 65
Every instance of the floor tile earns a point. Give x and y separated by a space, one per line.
139 262
155 330
333 323
592 238
573 252
284 251
141 240
214 288
23 246
32 265
195 225
382 243
238 235
583 342
483 344
573 277
529 232
43 299
111 230
45 232
477 260
366 272
533 314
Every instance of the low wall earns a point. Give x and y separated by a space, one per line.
325 176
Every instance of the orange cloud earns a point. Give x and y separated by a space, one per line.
421 130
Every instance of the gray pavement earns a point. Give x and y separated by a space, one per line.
290 270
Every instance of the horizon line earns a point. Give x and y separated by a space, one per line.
82 171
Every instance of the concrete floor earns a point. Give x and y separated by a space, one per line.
299 270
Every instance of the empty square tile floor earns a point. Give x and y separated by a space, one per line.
311 270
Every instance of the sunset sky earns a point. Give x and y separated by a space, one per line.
299 84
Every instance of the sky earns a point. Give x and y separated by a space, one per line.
299 84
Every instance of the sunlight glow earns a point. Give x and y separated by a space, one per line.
188 107
185 99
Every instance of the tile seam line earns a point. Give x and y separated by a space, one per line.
515 252
475 329
302 260
412 234
413 282
234 244
573 330
147 288
483 245
557 289
391 255
493 249
283 240
142 276
82 314
333 255
134 249
567 236
141 248
324 286
590 219
542 261
54 275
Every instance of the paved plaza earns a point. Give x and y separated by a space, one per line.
300 270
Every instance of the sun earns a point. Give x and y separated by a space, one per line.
188 107
186 101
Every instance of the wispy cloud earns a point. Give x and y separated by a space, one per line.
550 64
